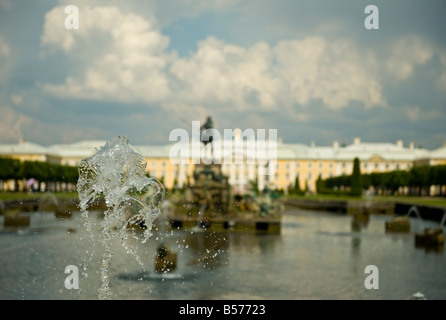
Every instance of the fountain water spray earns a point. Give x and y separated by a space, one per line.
118 174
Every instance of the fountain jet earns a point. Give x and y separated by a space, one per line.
118 174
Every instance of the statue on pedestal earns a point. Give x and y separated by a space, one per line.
209 124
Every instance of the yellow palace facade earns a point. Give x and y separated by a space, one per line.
308 162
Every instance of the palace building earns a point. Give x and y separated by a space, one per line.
308 162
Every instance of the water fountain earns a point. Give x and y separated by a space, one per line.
431 237
401 223
117 174
443 220
208 204
48 202
14 218
415 210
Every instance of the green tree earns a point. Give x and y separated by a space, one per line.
296 188
438 177
397 179
356 180
10 169
320 185
71 174
419 179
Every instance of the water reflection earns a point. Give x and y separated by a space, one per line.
356 240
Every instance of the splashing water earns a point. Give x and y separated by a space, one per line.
117 173
417 212
48 200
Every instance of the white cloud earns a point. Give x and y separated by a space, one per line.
225 74
406 53
294 71
415 113
336 72
122 56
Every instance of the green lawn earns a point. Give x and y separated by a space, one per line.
34 195
432 201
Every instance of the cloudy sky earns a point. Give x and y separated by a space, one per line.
141 68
